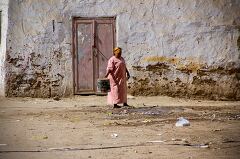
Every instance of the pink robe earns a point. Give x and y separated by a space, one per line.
118 84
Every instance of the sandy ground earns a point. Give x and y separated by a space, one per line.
84 127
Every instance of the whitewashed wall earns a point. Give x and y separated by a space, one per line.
4 9
172 47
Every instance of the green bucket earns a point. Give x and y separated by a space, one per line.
103 85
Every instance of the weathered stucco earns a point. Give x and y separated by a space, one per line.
4 15
172 47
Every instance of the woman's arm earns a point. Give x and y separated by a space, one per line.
108 72
110 67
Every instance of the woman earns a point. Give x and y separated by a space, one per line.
118 74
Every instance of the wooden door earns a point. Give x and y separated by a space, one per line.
93 42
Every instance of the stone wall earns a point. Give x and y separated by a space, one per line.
184 48
4 15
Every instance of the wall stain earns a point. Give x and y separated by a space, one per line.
162 59
157 68
138 68
36 79
202 81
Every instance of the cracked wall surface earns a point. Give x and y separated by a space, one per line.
172 47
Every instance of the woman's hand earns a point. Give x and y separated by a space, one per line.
106 75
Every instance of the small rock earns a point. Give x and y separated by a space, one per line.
114 135
182 122
56 98
217 130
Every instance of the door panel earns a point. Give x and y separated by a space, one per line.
85 57
104 43
93 42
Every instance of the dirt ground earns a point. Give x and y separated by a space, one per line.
84 127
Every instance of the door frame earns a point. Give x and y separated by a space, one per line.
75 21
